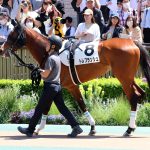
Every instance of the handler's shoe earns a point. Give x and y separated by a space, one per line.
75 131
25 131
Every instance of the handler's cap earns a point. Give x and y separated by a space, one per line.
88 12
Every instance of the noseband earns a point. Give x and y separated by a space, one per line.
20 41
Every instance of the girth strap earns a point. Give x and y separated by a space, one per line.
72 67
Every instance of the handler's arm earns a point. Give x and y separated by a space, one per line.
45 73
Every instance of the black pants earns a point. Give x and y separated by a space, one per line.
51 92
146 32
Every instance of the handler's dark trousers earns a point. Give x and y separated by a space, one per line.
51 92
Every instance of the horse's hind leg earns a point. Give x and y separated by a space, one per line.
134 94
135 102
78 97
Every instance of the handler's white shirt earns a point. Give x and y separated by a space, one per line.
93 32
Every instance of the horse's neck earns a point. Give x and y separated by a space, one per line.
37 45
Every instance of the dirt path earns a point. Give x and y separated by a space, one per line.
55 140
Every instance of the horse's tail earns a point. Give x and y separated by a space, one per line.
144 61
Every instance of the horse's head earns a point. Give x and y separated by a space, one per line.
15 40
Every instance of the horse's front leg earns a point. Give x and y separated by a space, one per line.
78 97
43 121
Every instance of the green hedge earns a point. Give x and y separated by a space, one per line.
102 97
111 87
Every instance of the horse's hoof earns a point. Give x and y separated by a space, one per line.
93 131
35 133
129 132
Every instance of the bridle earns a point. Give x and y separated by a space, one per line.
21 41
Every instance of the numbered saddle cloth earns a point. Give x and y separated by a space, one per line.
85 53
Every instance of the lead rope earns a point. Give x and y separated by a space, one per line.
35 73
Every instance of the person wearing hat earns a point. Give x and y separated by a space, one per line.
52 91
88 30
113 29
5 26
97 14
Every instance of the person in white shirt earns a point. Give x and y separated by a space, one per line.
5 26
25 10
88 31
70 30
29 23
145 24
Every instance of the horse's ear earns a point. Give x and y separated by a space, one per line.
14 22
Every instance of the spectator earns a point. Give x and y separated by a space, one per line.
53 13
105 10
5 26
36 4
58 27
2 8
145 24
70 30
60 6
29 23
126 11
13 6
112 5
25 10
43 19
97 14
141 6
113 29
3 3
88 31
79 6
132 29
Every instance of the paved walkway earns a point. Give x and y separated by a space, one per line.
53 137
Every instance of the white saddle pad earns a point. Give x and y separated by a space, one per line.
86 53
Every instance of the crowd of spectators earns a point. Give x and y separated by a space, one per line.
96 19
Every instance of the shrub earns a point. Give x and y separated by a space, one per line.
8 102
143 118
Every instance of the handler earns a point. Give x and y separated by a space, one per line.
52 91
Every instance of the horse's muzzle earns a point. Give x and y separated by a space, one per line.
4 52
1 50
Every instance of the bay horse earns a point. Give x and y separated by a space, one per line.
122 56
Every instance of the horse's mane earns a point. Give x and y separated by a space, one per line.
37 34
